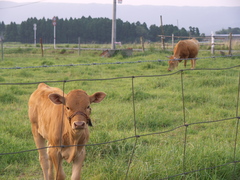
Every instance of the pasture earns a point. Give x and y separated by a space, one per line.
146 128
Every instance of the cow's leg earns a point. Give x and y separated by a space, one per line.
55 158
176 64
194 60
77 165
43 157
193 63
185 63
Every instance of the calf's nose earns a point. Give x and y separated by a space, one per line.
79 125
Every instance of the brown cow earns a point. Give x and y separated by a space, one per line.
62 120
184 49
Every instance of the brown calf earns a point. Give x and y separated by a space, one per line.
62 120
184 49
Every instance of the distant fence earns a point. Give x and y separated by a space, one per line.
212 39
184 125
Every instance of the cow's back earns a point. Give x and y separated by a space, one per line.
41 109
186 49
193 48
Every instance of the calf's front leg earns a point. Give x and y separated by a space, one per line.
55 159
77 165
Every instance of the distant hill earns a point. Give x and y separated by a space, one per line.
207 19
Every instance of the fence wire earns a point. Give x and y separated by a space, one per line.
118 62
137 136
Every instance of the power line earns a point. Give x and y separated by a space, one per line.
21 5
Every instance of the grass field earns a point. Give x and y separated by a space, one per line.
209 95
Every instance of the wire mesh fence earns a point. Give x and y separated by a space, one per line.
184 92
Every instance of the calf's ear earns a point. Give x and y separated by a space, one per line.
97 97
56 98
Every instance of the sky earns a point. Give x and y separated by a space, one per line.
148 2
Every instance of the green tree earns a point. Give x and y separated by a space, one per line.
12 34
229 30
154 31
141 30
183 32
97 30
2 28
194 31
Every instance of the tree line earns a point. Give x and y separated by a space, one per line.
90 30
229 30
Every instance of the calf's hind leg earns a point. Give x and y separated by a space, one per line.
43 157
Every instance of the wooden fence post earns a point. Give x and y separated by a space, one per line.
142 43
212 43
41 46
79 49
1 39
230 44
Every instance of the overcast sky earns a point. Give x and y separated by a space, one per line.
148 2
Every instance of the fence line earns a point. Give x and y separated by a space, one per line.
128 62
212 38
126 77
137 136
126 138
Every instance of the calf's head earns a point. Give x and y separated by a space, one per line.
77 106
173 63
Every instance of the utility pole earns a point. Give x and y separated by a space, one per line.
54 23
162 37
114 25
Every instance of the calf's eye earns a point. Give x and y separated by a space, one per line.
89 108
67 108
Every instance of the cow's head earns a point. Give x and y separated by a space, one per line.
173 63
77 106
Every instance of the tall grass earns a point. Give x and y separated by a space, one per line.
208 96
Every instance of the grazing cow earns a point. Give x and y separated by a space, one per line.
184 49
62 120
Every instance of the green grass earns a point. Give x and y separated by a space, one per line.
209 95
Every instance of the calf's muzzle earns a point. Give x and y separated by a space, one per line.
80 124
